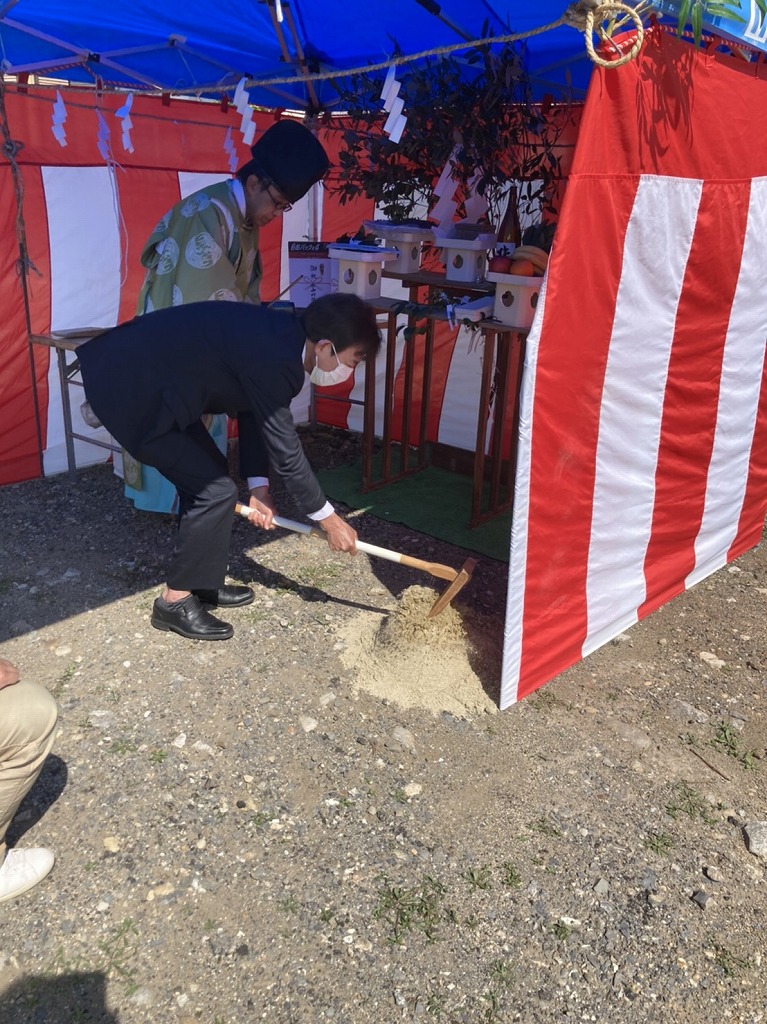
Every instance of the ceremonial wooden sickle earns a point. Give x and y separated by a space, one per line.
458 577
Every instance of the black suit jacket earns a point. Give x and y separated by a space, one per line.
164 370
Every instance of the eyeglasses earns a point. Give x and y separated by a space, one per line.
279 204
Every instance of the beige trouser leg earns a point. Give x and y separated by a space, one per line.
27 727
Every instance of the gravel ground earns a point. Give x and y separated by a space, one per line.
326 820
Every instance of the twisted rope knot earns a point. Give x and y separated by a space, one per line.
588 15
11 148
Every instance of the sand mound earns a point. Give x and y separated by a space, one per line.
416 661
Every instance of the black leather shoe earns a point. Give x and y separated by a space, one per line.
188 618
229 596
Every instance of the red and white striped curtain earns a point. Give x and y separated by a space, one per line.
643 451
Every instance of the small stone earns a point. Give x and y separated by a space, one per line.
160 890
112 844
404 737
687 712
327 698
412 789
713 873
630 734
702 898
142 997
711 659
101 719
602 887
307 723
62 652
179 741
756 838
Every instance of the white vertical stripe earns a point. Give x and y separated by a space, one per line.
355 418
295 227
458 423
84 239
515 594
739 389
655 253
192 181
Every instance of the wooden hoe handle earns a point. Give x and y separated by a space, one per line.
444 572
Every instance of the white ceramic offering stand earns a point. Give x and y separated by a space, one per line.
360 268
465 259
516 299
406 238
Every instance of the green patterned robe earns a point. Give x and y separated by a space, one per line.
202 250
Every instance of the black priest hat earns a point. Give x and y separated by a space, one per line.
291 157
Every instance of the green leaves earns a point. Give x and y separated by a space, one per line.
469 110
693 12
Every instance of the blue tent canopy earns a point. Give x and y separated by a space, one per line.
199 47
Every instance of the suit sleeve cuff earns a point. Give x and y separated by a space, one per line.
257 481
326 510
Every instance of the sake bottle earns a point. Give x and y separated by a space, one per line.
510 232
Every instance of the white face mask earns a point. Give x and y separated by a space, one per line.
326 378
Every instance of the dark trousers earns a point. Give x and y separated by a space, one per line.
207 494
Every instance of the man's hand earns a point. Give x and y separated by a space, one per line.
341 537
264 509
9 674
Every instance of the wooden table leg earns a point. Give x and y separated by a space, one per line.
368 424
501 382
428 355
66 409
391 353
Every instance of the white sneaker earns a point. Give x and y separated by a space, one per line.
23 869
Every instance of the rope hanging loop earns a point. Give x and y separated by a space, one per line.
588 17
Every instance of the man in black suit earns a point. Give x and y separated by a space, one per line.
151 380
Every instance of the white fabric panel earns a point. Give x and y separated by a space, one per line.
85 287
458 422
85 246
300 407
512 634
739 393
295 228
394 289
193 181
659 233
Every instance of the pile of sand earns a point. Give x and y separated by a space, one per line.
416 661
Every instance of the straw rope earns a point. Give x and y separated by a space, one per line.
586 16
